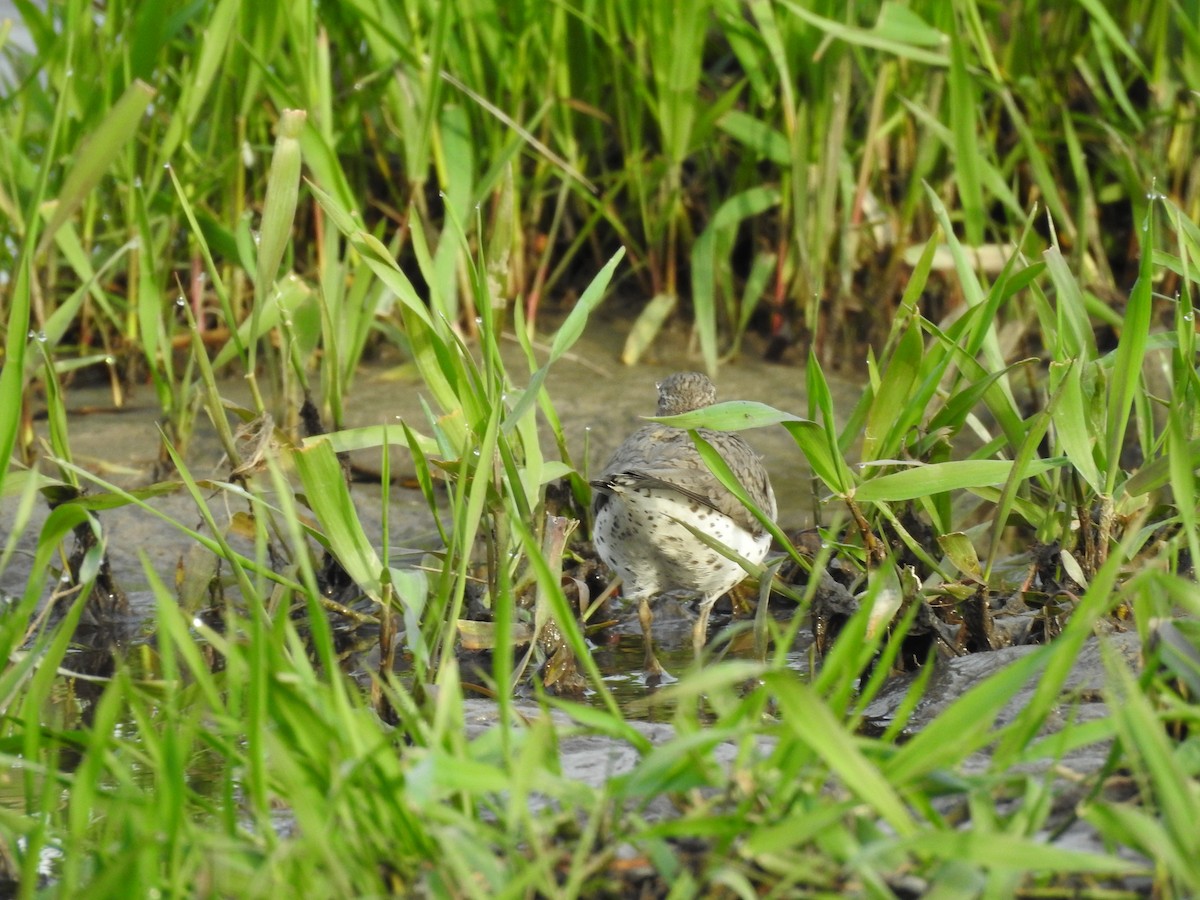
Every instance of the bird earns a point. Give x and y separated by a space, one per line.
654 485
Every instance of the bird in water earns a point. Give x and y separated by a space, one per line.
657 483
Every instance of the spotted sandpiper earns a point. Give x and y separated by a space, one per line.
654 485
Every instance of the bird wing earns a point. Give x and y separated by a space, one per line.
680 468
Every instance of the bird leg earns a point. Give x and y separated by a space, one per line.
654 671
700 628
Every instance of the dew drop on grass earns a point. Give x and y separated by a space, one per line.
1187 317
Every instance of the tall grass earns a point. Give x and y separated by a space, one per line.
763 166
274 188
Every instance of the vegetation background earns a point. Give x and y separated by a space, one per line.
992 205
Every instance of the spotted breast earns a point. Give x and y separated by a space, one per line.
657 484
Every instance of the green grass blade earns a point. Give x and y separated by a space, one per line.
1130 354
97 154
937 478
12 375
329 498
811 723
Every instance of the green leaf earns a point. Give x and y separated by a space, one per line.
710 256
372 436
961 551
647 325
892 408
1008 851
811 722
756 135
730 415
1131 351
564 339
1071 422
572 328
12 374
291 295
900 23
279 207
937 478
964 726
330 500
964 108
375 254
96 153
891 34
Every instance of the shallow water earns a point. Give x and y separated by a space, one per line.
598 400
